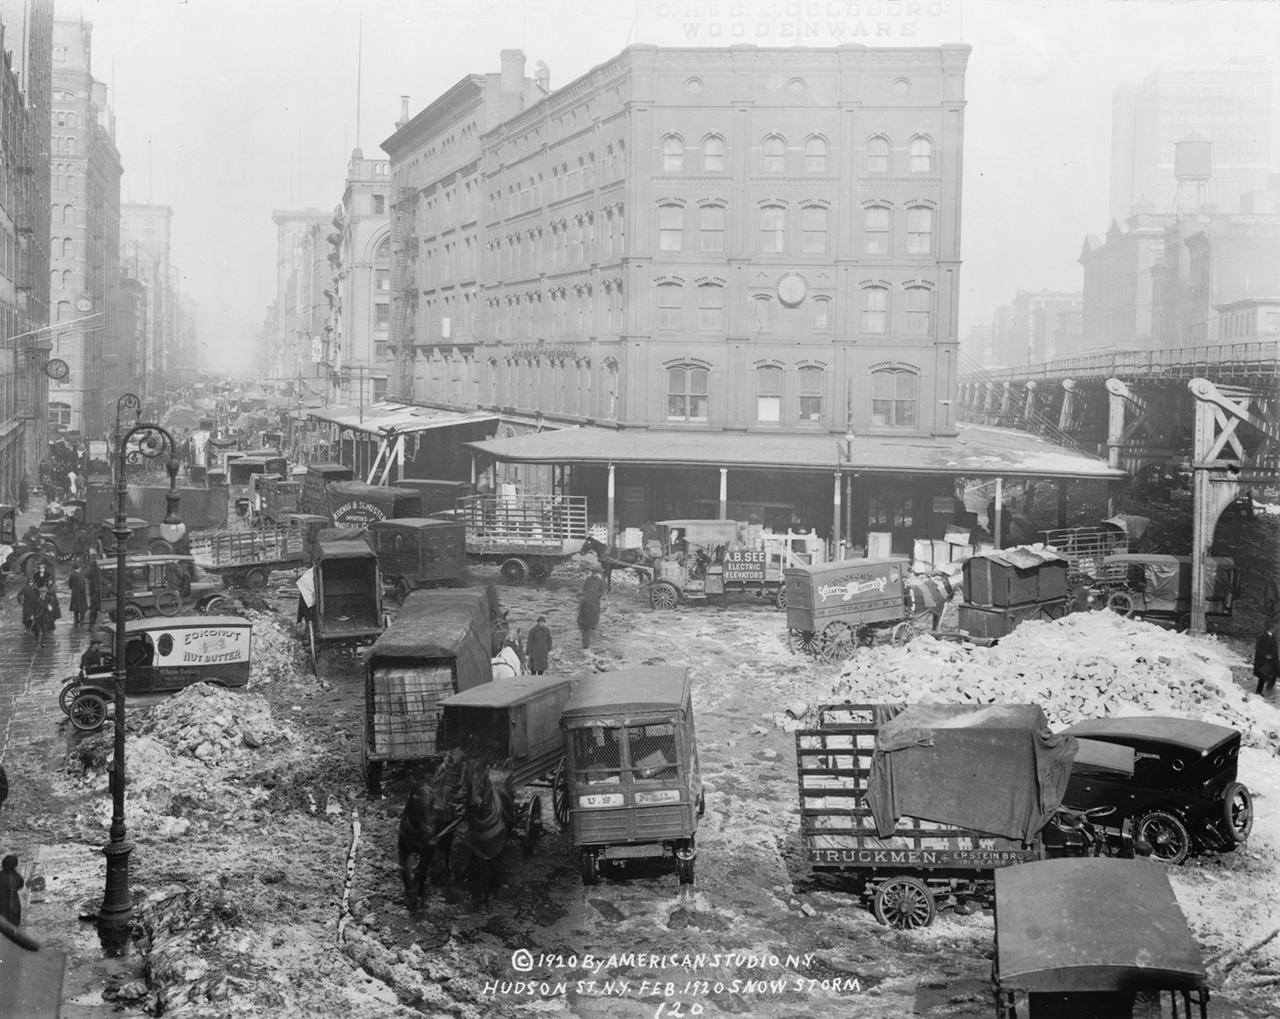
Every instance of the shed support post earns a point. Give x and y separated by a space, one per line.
724 493
1066 419
999 513
609 515
836 510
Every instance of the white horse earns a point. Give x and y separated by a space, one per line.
507 663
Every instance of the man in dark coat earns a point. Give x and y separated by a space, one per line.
79 592
42 574
10 884
30 598
93 582
1266 659
48 613
24 494
538 646
95 658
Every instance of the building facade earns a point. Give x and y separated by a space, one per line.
146 246
26 42
358 332
83 233
1117 296
1038 326
297 334
1235 106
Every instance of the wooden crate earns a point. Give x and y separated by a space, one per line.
994 622
405 712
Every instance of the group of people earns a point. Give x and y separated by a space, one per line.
41 608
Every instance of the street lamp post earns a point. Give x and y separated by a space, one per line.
149 441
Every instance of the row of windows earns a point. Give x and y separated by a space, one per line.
815 229
894 395
775 154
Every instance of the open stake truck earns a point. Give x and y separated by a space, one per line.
527 534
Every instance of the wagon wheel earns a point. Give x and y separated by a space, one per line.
902 634
664 595
514 570
589 865
168 602
1077 579
839 641
1237 811
311 644
218 605
904 902
560 796
684 861
780 596
532 826
257 577
1271 598
539 570
88 712
66 695
403 589
132 610
1166 834
1121 603
803 642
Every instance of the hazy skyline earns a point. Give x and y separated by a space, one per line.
228 109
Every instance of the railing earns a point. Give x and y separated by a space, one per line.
1261 357
524 519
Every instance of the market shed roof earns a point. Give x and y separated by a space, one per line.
382 418
976 450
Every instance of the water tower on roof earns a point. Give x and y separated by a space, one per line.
1193 169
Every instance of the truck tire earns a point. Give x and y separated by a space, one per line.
514 570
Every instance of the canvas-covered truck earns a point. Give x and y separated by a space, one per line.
439 645
527 535
355 504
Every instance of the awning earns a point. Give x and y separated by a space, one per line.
977 451
396 418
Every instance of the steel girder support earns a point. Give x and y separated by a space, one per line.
1029 409
1066 418
1130 412
1006 403
1221 466
989 402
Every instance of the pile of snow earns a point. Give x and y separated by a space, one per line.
211 723
1085 665
277 654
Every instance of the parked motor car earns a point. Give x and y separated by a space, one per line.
1179 788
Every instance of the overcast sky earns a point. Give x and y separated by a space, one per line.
228 109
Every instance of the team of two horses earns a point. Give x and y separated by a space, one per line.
463 790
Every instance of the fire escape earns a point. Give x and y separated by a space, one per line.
404 287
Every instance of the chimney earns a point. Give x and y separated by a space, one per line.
404 112
511 89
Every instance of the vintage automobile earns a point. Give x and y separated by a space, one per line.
1181 793
439 645
416 552
1158 587
17 557
634 782
65 536
163 656
164 585
1084 938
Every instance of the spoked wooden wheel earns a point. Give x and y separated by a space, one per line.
69 693
902 634
88 712
904 902
1121 603
839 641
664 595
1237 810
168 603
560 796
780 596
1166 834
804 642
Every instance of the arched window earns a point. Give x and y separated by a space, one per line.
670 228
713 154
813 230
672 154
822 314
893 398
878 155
55 215
68 248
761 313
919 303
687 393
774 151
64 311
812 382
611 389
773 229
876 230
670 306
69 215
55 279
710 308
919 230
66 277
875 310
769 395
815 154
921 154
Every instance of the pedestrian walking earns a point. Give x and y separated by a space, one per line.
588 617
92 580
537 647
10 883
593 586
79 593
42 576
47 614
24 493
1266 659
29 596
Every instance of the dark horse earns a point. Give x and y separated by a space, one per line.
432 812
619 559
490 816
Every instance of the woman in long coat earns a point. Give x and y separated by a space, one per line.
30 598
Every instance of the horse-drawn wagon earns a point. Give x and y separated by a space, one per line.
925 801
341 593
416 552
247 558
527 535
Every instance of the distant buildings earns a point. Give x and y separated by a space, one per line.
1038 326
296 348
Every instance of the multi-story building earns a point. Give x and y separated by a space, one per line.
296 342
1235 106
704 241
1117 296
26 42
1039 326
146 241
83 233
358 331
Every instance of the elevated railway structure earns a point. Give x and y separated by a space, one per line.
1215 408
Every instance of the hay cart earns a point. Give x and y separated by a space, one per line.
527 535
515 724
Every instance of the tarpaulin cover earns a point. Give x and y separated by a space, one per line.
995 769
452 624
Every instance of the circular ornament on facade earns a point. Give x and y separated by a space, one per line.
900 86
796 86
84 304
792 289
693 86
57 369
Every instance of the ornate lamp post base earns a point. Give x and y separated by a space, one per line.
117 902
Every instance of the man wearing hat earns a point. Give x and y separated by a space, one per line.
95 658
